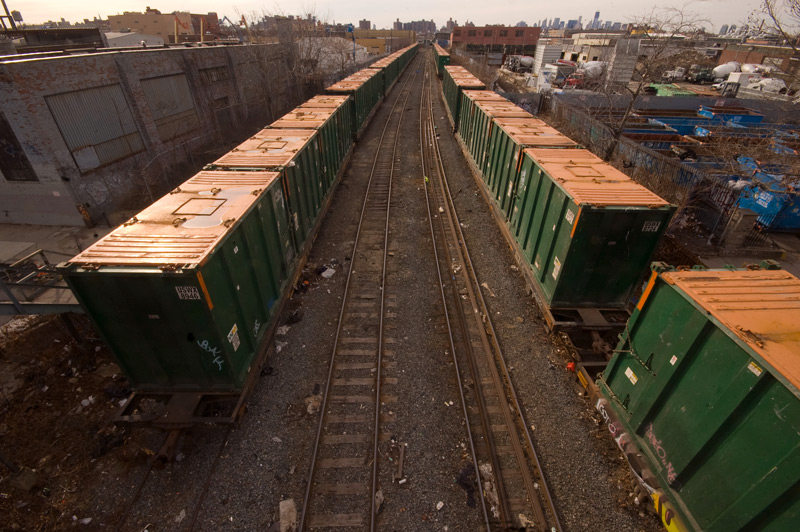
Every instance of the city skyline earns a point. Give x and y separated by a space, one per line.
715 12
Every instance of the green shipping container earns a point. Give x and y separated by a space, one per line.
296 153
366 91
184 292
507 137
706 381
474 123
587 230
335 134
441 58
457 79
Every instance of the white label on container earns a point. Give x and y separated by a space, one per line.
631 376
233 337
188 292
235 249
753 367
556 268
673 360
651 226
570 216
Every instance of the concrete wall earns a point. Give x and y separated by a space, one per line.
236 91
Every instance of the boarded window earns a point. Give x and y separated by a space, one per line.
96 124
214 74
172 105
13 162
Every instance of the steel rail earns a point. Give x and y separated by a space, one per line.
340 321
423 126
499 358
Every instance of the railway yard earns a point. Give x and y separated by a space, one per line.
405 377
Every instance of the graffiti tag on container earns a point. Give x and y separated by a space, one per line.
661 453
256 328
215 352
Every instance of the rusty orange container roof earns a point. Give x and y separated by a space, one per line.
470 83
502 109
269 148
183 227
439 50
303 118
762 308
354 81
347 86
580 156
455 68
485 96
324 101
533 132
590 181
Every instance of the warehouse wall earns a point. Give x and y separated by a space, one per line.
94 138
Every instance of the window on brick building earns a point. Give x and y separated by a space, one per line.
519 33
503 33
457 33
487 33
473 33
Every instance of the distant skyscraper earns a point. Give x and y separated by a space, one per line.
724 29
596 21
556 23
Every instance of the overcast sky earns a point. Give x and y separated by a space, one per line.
481 12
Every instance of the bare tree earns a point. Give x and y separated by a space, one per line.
660 34
782 17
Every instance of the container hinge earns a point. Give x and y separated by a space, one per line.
176 191
228 222
132 221
168 267
178 221
90 267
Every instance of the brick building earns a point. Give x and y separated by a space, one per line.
509 39
188 26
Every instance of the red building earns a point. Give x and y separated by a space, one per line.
498 38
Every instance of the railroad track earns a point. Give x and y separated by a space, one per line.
343 475
510 481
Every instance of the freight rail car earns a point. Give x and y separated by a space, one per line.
442 59
334 126
393 65
186 292
703 396
456 80
583 231
365 89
